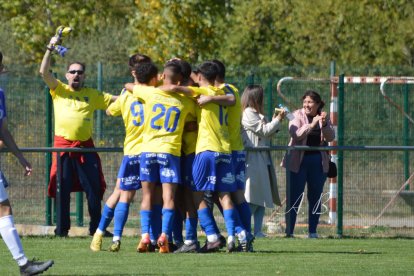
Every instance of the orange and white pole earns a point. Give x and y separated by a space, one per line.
333 185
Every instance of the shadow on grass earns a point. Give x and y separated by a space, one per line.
362 252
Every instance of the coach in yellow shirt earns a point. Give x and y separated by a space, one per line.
74 107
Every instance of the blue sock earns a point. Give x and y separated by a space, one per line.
156 222
167 220
191 229
121 216
145 221
216 229
106 218
177 227
229 219
245 216
207 221
238 225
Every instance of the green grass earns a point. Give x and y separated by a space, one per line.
272 256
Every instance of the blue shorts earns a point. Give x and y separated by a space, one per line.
160 167
213 171
239 166
187 170
128 173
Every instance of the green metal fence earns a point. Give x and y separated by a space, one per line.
369 177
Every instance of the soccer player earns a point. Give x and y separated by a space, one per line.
232 100
184 201
8 231
74 107
132 112
184 198
160 160
212 170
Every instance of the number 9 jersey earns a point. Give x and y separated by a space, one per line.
132 111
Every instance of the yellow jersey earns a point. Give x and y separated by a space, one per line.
234 118
213 133
132 111
189 137
166 114
74 110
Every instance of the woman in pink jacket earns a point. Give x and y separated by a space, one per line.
310 127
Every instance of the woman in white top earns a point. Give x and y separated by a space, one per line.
261 186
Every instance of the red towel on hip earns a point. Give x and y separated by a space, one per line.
60 142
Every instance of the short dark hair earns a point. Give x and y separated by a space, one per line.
185 69
77 62
175 74
221 68
137 58
208 70
145 71
174 66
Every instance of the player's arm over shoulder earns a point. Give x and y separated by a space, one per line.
114 109
129 86
226 100
185 90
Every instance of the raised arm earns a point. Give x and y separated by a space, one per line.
44 71
11 145
256 123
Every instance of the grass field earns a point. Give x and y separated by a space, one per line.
272 256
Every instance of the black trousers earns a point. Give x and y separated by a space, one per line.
89 179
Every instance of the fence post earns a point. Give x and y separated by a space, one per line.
341 127
79 208
333 190
250 79
406 135
48 155
269 100
269 95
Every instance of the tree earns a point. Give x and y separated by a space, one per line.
352 32
188 29
310 33
33 23
258 34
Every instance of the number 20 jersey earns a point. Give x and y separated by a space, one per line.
165 116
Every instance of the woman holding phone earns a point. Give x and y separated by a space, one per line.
261 186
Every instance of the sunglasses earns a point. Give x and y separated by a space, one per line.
80 72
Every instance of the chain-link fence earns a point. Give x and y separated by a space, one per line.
370 178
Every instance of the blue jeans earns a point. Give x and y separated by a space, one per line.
258 213
310 172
